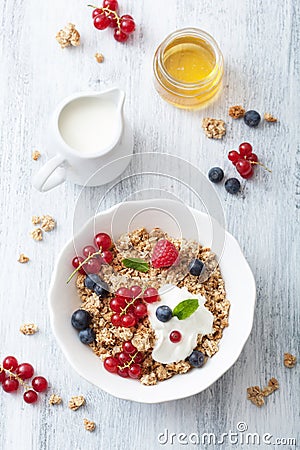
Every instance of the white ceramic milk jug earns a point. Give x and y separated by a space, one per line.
88 132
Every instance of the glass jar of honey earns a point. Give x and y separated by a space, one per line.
188 68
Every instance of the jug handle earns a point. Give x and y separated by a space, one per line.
50 175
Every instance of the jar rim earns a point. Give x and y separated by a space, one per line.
189 31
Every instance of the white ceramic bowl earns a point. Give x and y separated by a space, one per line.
239 283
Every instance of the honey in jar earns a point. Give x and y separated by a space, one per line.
188 68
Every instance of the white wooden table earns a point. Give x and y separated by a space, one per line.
259 42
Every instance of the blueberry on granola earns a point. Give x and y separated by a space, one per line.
164 313
196 359
101 289
91 280
196 266
252 118
80 319
87 336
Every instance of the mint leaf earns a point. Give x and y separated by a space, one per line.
136 263
186 308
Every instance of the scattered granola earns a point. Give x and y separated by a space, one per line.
55 399
23 259
213 128
236 112
48 223
273 385
255 395
28 329
89 425
36 155
269 118
140 243
289 360
37 234
76 402
68 36
36 220
99 57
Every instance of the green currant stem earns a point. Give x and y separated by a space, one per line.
92 255
129 362
110 11
262 165
14 375
131 303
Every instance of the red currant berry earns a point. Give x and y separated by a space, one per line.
10 363
175 336
127 16
116 320
92 266
39 384
111 4
113 20
243 167
135 291
233 156
128 320
127 24
138 357
2 376
120 36
76 263
128 347
123 372
151 295
25 371
88 250
107 256
125 293
249 175
10 385
245 149
135 371
111 364
97 12
140 310
103 241
117 304
253 157
101 22
123 358
30 396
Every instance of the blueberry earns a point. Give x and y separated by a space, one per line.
164 313
101 289
87 336
80 319
196 266
91 280
232 185
196 359
216 174
252 118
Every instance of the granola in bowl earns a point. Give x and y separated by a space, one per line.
152 306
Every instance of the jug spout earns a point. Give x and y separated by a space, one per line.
116 96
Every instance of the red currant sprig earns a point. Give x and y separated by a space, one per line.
245 160
12 375
107 16
128 305
126 363
92 259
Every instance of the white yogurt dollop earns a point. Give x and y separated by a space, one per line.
200 322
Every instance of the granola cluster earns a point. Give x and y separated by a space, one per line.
269 118
76 402
47 224
89 425
236 112
213 128
28 329
256 395
23 259
36 155
55 400
289 360
68 36
99 57
210 285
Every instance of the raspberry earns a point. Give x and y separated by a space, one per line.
165 254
